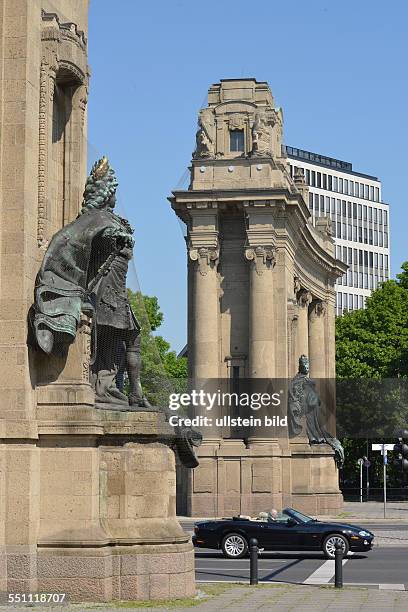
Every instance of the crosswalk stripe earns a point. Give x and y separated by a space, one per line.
324 573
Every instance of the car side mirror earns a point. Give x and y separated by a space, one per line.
291 522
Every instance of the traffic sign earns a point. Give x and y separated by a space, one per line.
380 447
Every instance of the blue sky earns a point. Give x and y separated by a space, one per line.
338 69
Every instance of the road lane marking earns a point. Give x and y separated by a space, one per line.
324 573
233 569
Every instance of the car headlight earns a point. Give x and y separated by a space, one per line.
364 534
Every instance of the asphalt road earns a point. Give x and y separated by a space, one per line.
383 568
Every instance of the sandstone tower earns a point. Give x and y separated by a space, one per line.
85 509
260 294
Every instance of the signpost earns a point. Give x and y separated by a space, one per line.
367 464
361 463
384 448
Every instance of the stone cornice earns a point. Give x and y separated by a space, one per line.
68 29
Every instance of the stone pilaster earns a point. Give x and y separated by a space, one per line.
317 349
302 341
261 312
204 341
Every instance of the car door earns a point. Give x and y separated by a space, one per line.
308 536
279 535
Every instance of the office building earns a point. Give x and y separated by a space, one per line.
360 222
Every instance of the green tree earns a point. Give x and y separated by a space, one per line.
372 372
162 371
373 342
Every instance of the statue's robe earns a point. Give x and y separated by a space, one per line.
61 287
305 411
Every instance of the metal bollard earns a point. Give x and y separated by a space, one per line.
253 561
338 566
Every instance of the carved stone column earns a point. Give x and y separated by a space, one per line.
204 332
304 299
317 348
261 312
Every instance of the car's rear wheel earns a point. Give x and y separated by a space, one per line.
329 545
234 546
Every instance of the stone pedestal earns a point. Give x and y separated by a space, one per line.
101 510
314 477
233 478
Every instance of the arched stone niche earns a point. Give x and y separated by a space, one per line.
64 79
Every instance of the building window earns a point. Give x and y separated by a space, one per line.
371 193
329 182
307 177
322 204
237 140
377 194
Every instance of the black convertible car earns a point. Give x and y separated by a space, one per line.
290 530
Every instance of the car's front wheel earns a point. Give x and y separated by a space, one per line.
329 545
234 546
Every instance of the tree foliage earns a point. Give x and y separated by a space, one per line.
373 342
162 371
372 373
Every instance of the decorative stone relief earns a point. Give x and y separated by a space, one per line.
205 135
206 257
236 122
304 298
262 135
263 257
299 176
319 308
296 285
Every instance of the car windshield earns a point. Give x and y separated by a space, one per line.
299 516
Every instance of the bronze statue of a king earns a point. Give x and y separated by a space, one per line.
84 270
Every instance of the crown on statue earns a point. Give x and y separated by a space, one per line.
100 168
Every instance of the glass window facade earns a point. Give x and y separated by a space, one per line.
360 226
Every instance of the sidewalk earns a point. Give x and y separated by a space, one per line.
276 597
373 511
